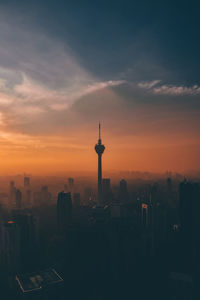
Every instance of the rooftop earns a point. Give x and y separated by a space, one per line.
37 280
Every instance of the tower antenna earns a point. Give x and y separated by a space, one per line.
99 131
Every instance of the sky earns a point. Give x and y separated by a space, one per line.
132 65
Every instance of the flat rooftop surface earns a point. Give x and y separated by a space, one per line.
37 280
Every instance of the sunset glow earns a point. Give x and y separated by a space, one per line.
51 100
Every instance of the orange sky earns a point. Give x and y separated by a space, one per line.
137 137
53 154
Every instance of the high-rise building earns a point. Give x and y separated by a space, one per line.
64 210
145 215
169 184
123 191
45 195
10 246
88 196
27 193
76 199
42 197
189 200
28 198
106 191
106 186
189 207
29 233
99 148
18 199
26 182
12 193
71 184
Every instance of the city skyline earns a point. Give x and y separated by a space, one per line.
60 74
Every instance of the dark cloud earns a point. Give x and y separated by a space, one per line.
110 37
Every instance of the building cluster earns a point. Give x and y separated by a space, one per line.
107 241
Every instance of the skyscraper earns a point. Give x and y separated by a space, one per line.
12 193
189 205
76 200
99 148
106 191
27 194
123 191
18 199
26 182
71 184
10 246
106 185
29 233
64 210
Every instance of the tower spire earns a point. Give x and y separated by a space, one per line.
99 130
99 141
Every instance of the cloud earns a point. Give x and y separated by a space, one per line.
101 85
148 84
29 92
169 89
40 77
174 90
5 100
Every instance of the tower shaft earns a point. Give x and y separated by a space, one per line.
99 179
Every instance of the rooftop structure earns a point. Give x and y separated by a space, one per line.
38 280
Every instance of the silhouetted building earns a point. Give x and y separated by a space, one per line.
169 184
189 203
88 196
181 286
189 194
42 197
71 184
18 199
86 254
116 210
106 191
123 191
28 198
29 233
36 198
145 215
45 195
26 182
10 246
12 193
106 185
64 210
76 199
99 148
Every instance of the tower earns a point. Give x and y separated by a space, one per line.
99 148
